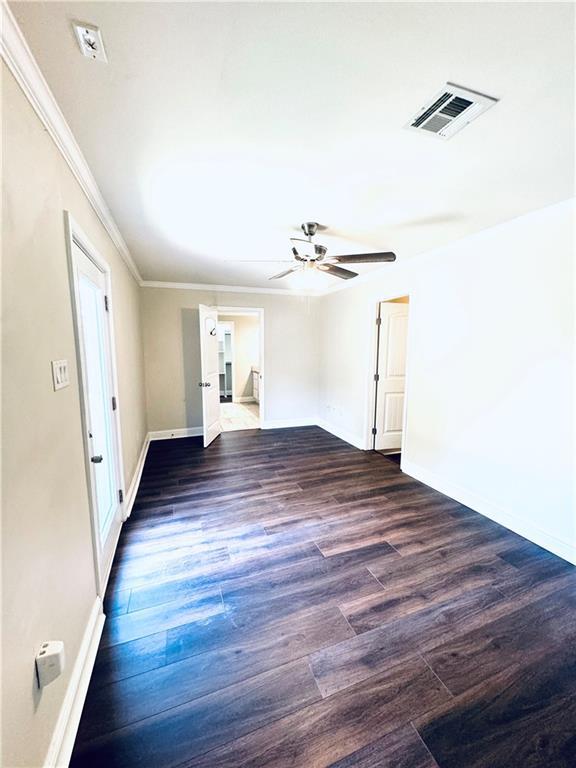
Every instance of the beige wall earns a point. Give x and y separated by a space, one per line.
246 351
48 576
172 354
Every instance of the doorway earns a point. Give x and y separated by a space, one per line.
240 368
390 376
91 295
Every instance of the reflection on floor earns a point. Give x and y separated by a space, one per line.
234 416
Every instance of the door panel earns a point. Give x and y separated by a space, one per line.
97 391
396 354
210 380
393 412
392 374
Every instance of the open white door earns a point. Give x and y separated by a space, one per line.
391 376
209 373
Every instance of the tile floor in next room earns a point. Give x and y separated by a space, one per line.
236 416
283 599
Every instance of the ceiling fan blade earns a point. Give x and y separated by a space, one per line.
364 258
332 269
284 274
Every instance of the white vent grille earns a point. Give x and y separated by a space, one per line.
450 110
90 41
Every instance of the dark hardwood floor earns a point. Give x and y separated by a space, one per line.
283 599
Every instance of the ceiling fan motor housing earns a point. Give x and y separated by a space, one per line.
319 251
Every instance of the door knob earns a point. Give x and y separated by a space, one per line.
97 459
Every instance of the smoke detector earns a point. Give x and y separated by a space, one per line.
90 41
450 110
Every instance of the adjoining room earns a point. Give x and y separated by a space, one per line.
239 351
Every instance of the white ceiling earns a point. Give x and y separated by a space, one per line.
216 128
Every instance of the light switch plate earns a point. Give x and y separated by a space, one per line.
60 374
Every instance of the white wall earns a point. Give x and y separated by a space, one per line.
490 382
172 355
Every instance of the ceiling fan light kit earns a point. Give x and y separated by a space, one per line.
309 255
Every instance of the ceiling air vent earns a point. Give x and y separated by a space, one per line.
451 110
90 41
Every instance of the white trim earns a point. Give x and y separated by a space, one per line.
168 434
226 288
133 489
563 549
22 64
356 440
287 423
249 399
64 734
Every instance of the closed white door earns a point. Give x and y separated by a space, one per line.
99 401
391 376
209 381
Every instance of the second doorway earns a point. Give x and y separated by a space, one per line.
239 369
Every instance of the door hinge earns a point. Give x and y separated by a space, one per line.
373 430
114 405
106 303
376 377
378 321
121 495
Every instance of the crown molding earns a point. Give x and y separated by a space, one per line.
20 61
225 288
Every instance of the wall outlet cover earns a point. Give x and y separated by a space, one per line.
60 375
50 661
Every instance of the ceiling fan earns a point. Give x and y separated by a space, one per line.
309 255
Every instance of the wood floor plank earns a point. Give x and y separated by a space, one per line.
523 718
116 662
202 724
332 729
130 626
355 659
245 655
420 591
521 637
400 749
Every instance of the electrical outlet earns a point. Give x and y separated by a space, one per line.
50 661
60 374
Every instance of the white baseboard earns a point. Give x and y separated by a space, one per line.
533 533
168 434
356 440
62 742
287 423
133 489
245 400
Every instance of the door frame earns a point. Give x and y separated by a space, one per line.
74 234
259 312
373 383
